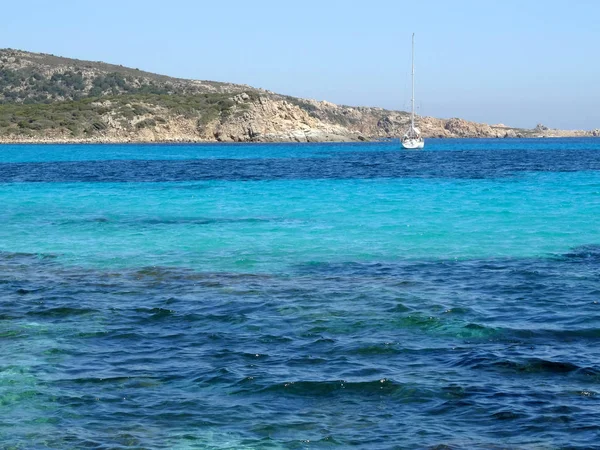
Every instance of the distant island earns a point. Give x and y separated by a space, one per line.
50 99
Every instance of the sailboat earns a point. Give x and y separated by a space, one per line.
412 139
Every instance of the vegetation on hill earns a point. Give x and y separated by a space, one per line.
88 116
37 78
31 88
47 95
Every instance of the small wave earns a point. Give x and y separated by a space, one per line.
590 372
183 274
587 253
25 257
587 393
551 334
525 366
399 308
23 291
156 272
442 326
61 311
79 221
377 349
536 365
168 221
507 415
12 334
383 386
126 381
155 313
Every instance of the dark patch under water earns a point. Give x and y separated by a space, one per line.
492 353
469 164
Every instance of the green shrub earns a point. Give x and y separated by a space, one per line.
145 123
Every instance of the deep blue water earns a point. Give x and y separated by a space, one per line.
301 296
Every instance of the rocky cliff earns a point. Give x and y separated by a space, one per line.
44 98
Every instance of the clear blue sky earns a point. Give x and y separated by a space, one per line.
516 62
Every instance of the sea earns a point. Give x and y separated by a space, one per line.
301 296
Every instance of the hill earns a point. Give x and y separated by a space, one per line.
47 98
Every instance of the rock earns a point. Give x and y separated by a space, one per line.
385 124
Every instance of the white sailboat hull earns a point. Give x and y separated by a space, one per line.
413 144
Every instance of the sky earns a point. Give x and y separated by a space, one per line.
514 62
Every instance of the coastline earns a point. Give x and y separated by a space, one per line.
45 141
56 100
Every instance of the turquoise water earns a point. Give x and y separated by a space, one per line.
272 225
300 296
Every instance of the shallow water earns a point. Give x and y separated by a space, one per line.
301 296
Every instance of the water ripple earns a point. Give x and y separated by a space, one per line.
468 164
187 353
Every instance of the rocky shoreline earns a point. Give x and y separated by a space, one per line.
274 139
264 117
177 131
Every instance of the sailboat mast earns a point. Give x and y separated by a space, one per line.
412 139
412 114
